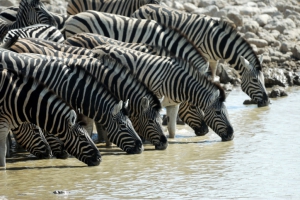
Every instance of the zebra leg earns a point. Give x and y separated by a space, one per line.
8 146
172 112
4 131
102 133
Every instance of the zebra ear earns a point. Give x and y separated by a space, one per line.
245 63
117 108
73 117
261 58
145 103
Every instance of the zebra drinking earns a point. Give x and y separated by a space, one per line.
83 92
23 99
216 40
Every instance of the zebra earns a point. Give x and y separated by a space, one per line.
41 31
188 115
30 12
216 40
24 99
10 13
193 116
84 93
144 106
176 83
39 142
133 30
120 7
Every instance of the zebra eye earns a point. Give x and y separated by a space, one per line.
218 112
193 107
254 80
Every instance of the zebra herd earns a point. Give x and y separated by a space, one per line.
114 63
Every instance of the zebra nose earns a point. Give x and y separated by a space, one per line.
264 102
163 144
95 159
201 130
229 136
137 149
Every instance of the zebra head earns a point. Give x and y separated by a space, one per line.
121 132
37 13
194 117
79 144
216 117
253 83
148 124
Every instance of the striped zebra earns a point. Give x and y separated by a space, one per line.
133 30
30 12
171 79
83 92
216 40
41 31
23 99
143 107
193 116
39 142
120 7
33 140
10 14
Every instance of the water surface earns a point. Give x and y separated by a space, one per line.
263 161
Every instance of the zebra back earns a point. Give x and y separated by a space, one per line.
120 7
133 30
41 31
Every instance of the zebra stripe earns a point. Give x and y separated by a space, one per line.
169 77
30 137
120 7
10 14
24 99
41 31
193 116
133 30
30 12
216 40
144 106
84 93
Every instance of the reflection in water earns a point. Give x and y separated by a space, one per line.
261 162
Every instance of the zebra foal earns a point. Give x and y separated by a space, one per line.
23 99
119 7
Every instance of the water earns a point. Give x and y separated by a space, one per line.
263 161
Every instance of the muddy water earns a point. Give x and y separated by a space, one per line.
263 161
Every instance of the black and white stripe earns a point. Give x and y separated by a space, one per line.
30 12
26 100
216 40
144 106
171 79
120 7
83 92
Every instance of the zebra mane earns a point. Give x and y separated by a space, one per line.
232 30
36 81
222 95
156 101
